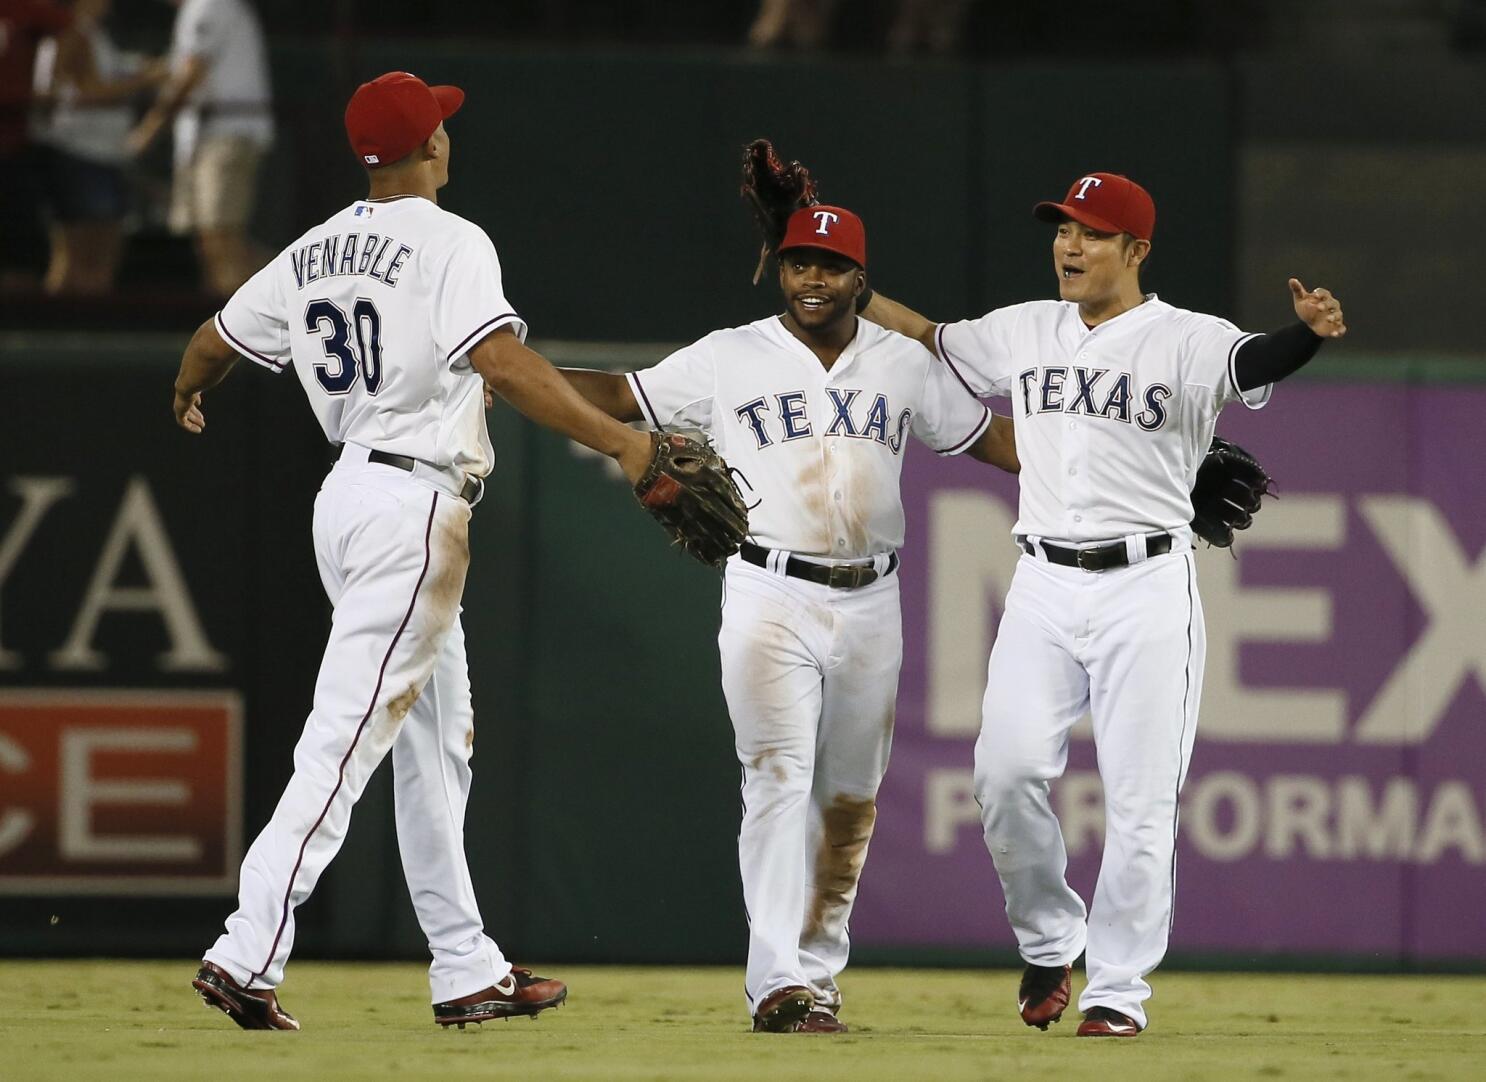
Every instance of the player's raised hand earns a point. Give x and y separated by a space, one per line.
188 412
1318 310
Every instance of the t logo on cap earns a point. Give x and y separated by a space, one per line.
831 229
1106 202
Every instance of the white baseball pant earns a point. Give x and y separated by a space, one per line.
810 674
1128 645
392 553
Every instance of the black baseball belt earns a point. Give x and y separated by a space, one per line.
469 493
1096 557
838 576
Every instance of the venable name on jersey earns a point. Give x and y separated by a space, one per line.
340 255
794 421
1062 388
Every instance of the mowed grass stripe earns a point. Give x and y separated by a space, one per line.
126 1021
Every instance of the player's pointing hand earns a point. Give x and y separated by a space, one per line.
188 412
1318 310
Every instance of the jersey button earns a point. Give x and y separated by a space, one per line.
1078 518
1072 471
836 496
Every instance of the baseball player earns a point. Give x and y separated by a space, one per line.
393 315
1115 394
814 407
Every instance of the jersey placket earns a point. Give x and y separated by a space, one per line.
1076 433
831 451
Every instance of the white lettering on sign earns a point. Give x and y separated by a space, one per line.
81 790
1452 592
970 571
1237 614
971 561
37 496
1229 816
16 824
138 526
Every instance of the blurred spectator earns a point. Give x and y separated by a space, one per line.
23 24
83 85
802 24
937 26
218 94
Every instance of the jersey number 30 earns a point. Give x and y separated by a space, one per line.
329 319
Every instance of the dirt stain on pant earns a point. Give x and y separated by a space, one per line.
847 828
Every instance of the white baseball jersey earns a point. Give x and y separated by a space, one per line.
376 309
1111 423
822 450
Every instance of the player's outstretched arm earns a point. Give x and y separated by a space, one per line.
206 362
608 391
524 378
1269 358
997 445
886 312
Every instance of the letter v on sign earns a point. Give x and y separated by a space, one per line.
1452 593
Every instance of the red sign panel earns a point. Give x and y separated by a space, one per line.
120 792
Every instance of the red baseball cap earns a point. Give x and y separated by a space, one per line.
1107 202
835 229
394 114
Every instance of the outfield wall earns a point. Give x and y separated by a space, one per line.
160 624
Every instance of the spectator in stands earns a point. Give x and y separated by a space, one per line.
83 86
23 23
801 24
936 26
218 95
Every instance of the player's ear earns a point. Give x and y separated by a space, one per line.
861 283
1137 252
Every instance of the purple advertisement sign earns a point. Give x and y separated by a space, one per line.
1336 802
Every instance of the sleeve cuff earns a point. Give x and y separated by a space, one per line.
949 361
475 336
968 441
251 354
644 400
1255 398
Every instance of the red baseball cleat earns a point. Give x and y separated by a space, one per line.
520 993
1043 995
250 1008
783 1011
1105 1022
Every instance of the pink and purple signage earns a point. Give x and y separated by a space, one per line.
1336 802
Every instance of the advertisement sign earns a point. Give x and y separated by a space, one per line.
120 792
1337 794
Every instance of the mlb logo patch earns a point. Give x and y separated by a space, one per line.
364 211
370 159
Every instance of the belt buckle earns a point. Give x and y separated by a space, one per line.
1082 553
847 576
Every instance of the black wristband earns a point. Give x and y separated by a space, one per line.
863 299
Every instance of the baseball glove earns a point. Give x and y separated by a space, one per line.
690 491
1230 485
774 191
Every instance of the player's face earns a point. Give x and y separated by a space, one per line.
1092 266
820 288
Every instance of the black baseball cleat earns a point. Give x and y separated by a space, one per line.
784 1010
1107 1022
519 993
250 1008
1043 994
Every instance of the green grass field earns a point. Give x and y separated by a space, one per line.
120 1021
